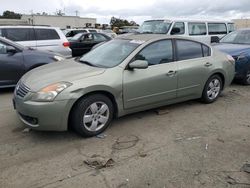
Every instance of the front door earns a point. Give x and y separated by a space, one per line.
157 83
11 66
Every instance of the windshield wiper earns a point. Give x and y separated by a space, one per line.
87 63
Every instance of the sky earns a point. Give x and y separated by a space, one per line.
136 10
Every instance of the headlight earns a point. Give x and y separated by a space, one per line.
241 57
57 58
49 93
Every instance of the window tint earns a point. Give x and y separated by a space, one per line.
87 38
188 50
206 50
217 28
19 34
3 48
179 25
197 28
93 31
46 34
99 37
230 27
157 53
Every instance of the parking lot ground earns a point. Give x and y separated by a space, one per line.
185 145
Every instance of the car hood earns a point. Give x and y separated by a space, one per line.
232 49
65 71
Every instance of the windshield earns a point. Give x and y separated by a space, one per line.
155 26
237 37
110 54
76 37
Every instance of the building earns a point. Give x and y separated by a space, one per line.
13 22
242 23
64 22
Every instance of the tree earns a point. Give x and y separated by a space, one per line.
11 15
117 22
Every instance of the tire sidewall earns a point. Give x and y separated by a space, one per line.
204 94
79 111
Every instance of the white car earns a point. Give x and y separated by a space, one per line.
207 31
38 37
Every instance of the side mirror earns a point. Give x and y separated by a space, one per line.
11 50
175 30
138 64
215 39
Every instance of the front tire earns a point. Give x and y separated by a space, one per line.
212 89
92 115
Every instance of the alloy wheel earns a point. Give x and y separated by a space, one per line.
214 88
96 116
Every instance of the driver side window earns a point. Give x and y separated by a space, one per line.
157 53
87 38
3 48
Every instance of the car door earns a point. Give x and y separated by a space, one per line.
84 45
11 66
23 36
157 83
193 67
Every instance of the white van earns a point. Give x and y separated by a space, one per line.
206 31
38 37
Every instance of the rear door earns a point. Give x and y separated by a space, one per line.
23 36
194 66
48 39
11 66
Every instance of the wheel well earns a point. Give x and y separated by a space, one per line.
222 78
105 93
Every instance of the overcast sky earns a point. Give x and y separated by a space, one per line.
137 10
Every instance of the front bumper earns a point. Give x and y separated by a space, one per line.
46 116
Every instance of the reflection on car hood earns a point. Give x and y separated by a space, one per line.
68 71
232 49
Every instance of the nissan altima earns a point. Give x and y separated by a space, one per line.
125 75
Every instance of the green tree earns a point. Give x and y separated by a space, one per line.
11 15
117 22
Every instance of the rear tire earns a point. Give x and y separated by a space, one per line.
92 115
212 89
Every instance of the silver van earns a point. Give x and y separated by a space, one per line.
38 37
207 31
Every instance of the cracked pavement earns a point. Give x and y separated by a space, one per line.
191 145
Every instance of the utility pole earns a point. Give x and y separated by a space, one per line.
76 12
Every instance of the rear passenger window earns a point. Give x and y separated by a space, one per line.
197 28
19 34
180 26
188 50
46 34
157 53
206 51
217 28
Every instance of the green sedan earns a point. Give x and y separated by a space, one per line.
125 75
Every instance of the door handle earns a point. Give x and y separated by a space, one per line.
171 73
208 64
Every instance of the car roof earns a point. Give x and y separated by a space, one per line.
30 26
148 37
190 20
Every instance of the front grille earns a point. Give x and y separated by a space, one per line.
22 90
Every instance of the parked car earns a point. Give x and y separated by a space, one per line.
237 44
128 29
69 33
16 60
207 31
125 75
83 42
38 37
109 32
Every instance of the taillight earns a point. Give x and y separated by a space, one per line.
66 44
